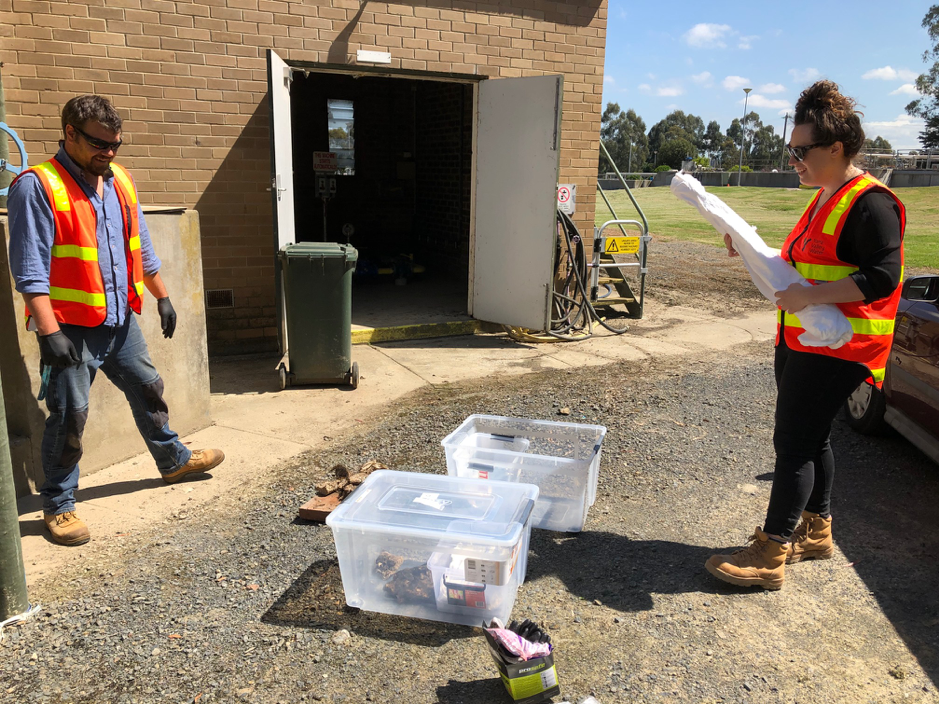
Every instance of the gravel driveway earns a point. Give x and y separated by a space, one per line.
240 601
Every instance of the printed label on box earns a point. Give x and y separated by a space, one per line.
432 500
460 593
491 571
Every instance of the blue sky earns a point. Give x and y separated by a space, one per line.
698 57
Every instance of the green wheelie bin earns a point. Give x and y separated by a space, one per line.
317 288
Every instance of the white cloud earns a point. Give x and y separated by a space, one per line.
772 88
669 91
609 81
806 75
645 87
651 76
707 36
905 89
902 133
735 82
704 78
888 73
761 101
746 42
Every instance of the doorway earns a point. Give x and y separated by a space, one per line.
403 189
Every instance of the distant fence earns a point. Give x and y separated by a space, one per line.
762 179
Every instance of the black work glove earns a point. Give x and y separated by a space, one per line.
167 316
56 350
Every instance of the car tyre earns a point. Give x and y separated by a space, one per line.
864 409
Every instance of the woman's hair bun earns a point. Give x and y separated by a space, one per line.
832 115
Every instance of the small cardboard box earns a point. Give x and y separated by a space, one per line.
529 681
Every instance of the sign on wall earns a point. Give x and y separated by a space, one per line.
325 161
567 196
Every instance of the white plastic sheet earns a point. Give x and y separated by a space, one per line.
825 325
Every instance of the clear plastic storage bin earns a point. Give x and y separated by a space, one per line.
562 459
435 547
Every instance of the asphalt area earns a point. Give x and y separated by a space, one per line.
241 601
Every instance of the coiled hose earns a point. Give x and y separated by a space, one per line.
572 315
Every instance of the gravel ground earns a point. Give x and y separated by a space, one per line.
240 601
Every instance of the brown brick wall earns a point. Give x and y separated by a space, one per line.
190 80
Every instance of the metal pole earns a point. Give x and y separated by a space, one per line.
13 598
5 177
743 134
782 157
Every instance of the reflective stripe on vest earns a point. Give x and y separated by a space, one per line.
841 207
60 200
88 254
824 272
96 300
860 326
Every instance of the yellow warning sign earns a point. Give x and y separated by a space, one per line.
621 245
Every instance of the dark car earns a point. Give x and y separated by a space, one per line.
909 401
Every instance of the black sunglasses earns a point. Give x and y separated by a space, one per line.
798 153
99 144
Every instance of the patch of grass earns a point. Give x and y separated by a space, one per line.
773 212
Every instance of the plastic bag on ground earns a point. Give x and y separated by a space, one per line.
825 325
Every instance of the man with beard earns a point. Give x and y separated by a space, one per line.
81 256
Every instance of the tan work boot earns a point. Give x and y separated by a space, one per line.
201 461
67 528
811 540
761 564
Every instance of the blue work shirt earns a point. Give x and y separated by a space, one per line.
32 232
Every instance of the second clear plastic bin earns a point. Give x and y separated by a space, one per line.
562 459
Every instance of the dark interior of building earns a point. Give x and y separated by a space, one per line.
403 187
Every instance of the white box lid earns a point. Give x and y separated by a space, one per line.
437 506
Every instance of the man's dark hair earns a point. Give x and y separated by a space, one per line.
83 109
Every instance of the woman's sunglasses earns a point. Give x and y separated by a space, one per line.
798 153
101 144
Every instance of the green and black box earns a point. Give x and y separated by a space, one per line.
529 681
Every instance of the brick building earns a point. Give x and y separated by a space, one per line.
191 81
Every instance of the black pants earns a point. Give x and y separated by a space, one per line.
811 388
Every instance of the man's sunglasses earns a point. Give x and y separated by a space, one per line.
798 153
101 144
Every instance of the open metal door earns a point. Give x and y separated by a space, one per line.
518 134
278 85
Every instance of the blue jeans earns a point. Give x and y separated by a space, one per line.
121 353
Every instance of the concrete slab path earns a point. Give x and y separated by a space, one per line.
259 427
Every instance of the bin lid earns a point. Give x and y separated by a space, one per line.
431 505
326 250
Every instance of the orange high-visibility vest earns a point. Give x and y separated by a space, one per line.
76 287
811 249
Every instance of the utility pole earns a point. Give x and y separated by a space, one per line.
13 598
782 157
743 134
629 168
5 177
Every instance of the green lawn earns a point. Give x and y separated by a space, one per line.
773 211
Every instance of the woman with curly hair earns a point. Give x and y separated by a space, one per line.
848 244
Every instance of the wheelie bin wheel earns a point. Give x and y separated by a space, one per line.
354 376
284 380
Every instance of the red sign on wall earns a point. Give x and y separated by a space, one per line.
325 161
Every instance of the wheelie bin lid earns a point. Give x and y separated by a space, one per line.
325 250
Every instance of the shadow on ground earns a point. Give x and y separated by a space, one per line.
488 690
886 522
316 600
621 573
33 502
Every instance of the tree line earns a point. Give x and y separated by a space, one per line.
680 136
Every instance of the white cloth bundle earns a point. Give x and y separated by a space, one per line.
825 325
